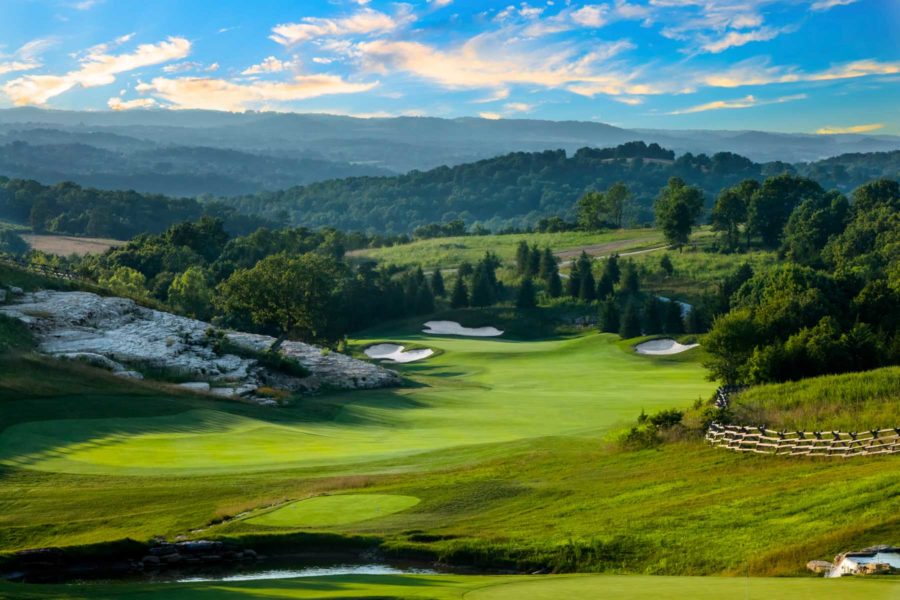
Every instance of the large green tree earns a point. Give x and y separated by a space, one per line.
289 294
677 208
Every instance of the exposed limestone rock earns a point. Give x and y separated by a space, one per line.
118 335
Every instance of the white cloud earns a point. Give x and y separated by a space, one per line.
26 57
98 68
222 94
754 72
440 3
491 116
184 67
363 21
746 102
591 15
86 4
269 65
119 104
481 63
822 5
518 107
851 129
629 100
497 95
738 38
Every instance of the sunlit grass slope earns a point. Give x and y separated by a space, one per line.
476 391
451 251
455 587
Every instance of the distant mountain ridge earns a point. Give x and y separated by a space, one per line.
278 150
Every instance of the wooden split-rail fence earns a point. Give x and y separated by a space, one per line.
760 440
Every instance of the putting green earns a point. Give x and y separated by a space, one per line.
481 587
476 391
326 511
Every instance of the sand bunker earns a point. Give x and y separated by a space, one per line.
666 346
396 353
454 328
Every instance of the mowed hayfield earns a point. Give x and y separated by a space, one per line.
65 245
478 587
449 252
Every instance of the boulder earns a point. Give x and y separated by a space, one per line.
196 386
819 566
16 291
121 336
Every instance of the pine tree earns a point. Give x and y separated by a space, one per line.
459 298
631 321
609 316
652 315
554 285
437 284
574 283
604 286
523 258
526 297
631 284
482 287
588 290
424 300
547 265
612 268
696 320
674 321
665 263
534 262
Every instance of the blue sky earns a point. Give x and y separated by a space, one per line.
823 66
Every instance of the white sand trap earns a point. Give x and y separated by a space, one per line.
666 346
454 328
395 353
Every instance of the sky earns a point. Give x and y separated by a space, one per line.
815 66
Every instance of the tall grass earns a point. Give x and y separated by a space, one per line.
849 402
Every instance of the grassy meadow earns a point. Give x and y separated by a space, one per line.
449 252
479 587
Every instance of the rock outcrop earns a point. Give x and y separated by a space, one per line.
132 341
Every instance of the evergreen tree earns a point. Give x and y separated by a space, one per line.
696 321
631 284
459 297
586 286
604 286
482 287
631 321
523 258
574 284
547 265
612 269
554 285
424 300
465 269
653 315
665 263
609 316
674 321
526 297
437 284
534 262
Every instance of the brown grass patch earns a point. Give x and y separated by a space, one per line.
65 245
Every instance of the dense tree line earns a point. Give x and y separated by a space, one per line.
833 307
515 190
71 209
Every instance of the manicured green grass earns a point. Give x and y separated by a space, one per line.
455 587
477 391
325 511
450 252
849 402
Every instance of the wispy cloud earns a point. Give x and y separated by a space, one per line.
745 102
851 129
26 58
98 68
756 72
733 39
363 21
232 96
491 116
269 65
821 5
86 4
116 103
